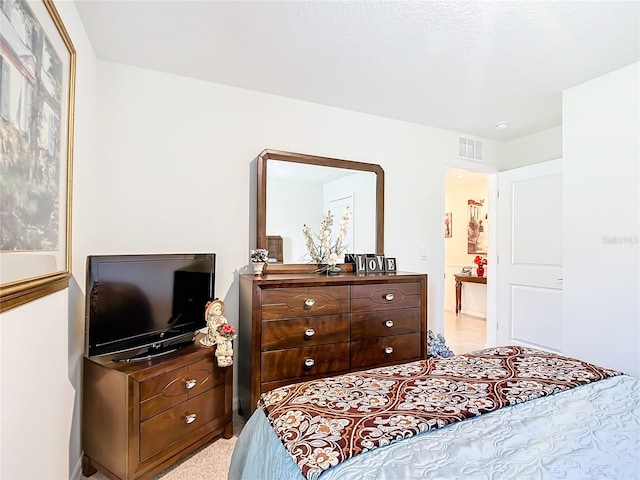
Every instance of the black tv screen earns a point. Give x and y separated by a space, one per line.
152 302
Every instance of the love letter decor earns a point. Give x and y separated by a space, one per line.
372 264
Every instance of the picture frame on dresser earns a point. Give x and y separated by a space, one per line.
38 59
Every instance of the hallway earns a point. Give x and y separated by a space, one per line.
464 333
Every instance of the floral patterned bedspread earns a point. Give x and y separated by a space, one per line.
324 422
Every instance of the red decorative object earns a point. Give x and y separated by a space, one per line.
481 262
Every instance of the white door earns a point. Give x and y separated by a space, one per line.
529 276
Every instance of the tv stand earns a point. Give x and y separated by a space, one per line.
140 417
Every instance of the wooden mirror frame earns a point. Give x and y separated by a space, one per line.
261 213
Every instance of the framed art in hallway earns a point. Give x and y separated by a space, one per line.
37 90
477 229
448 225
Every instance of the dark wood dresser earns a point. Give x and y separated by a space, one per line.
140 417
300 326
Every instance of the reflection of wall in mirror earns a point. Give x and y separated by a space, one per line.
361 187
290 205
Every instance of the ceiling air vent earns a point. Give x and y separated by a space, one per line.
469 148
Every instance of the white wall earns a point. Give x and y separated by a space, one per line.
601 212
38 394
286 218
42 341
535 148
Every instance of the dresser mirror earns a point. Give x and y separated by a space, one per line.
297 189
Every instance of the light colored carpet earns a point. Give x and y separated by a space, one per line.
210 462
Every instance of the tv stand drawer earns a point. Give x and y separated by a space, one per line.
181 421
172 388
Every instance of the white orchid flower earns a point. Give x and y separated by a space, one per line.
322 248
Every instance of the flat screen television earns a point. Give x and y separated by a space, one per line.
145 305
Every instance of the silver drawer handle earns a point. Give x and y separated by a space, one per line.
309 302
388 297
388 350
309 362
389 323
309 332
191 383
190 418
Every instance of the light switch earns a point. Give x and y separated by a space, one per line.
423 253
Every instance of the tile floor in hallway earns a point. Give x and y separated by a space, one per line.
464 333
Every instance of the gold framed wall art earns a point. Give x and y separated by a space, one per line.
37 94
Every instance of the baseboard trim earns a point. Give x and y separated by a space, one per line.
77 471
473 313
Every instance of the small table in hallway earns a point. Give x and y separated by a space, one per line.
465 278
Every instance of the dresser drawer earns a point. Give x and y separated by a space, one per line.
182 422
304 331
385 322
304 361
176 386
386 350
385 296
304 301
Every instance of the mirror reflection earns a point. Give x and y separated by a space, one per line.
299 194
294 189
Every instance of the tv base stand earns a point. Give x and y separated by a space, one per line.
140 417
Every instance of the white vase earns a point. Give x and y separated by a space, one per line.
258 267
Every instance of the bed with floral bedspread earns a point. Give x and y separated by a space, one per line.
504 412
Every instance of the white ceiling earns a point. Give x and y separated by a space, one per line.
461 66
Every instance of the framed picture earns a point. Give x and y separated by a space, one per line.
448 226
37 89
477 229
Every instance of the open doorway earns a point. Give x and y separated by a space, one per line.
466 237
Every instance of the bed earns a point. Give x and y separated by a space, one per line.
503 412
